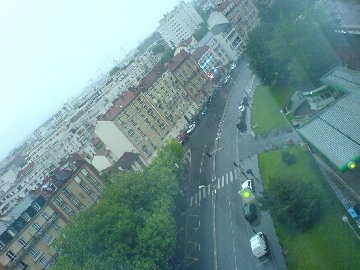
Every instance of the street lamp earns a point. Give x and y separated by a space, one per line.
346 220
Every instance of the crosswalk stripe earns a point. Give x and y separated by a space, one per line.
222 181
209 190
231 177
227 178
191 201
200 195
204 193
236 174
218 186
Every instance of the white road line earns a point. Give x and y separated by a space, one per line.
222 181
236 174
209 190
231 177
200 195
204 193
227 179
218 186
196 198
191 201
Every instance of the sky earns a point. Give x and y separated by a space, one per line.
50 50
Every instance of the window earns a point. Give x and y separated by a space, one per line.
94 197
36 226
75 201
83 208
45 216
68 210
84 172
49 238
43 261
36 207
56 226
34 253
22 241
59 201
11 255
26 216
85 188
77 179
66 192
22 265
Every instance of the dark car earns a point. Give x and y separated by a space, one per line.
250 212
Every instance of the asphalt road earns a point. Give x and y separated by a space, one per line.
219 235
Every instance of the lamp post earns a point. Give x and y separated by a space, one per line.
346 220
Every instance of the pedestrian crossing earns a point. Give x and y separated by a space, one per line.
217 183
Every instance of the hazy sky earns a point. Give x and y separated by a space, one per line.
50 50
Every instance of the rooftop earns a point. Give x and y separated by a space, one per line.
119 105
127 159
344 79
335 132
199 52
148 80
220 28
173 64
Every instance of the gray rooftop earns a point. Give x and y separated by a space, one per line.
343 79
335 132
205 40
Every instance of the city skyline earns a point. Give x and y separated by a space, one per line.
51 53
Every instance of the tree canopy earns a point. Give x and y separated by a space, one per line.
201 31
291 46
133 225
294 203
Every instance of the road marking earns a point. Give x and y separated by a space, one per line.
218 183
231 177
236 174
222 181
200 195
227 178
196 198
209 191
204 192
191 201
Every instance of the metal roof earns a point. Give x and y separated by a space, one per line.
335 132
343 79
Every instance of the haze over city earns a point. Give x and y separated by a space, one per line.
51 50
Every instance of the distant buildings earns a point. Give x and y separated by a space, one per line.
26 237
179 24
141 119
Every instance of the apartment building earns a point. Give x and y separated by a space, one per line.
26 239
191 77
132 124
208 61
179 24
242 14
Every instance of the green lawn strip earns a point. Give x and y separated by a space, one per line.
266 114
330 244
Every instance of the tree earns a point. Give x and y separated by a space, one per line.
293 202
132 226
158 48
168 54
201 31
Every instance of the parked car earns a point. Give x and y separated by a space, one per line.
248 184
191 128
250 212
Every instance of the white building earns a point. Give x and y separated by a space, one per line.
179 24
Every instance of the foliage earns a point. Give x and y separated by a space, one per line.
132 226
329 244
201 31
291 46
158 48
288 158
168 54
293 202
266 114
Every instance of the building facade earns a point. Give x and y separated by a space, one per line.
179 24
26 242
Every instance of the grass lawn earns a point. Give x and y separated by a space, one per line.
266 114
330 244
